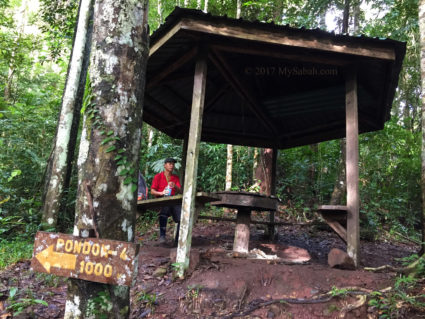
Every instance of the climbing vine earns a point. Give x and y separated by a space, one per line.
110 140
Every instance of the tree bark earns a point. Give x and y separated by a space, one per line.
264 170
345 16
160 12
340 184
206 6
422 57
110 145
229 165
238 9
60 165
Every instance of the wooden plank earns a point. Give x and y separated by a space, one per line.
241 241
240 200
338 208
337 227
155 47
352 168
93 259
184 154
186 57
174 115
201 198
259 222
279 54
233 80
194 138
294 39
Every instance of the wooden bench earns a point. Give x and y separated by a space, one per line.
201 199
336 217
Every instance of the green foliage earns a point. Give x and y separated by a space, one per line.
19 305
12 251
149 300
99 306
393 303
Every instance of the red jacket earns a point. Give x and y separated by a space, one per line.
160 182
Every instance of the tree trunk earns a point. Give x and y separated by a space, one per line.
68 121
20 21
264 170
186 3
356 17
422 57
206 6
150 140
110 145
229 164
254 165
160 12
346 16
340 184
198 4
238 9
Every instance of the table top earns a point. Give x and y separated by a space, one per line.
201 198
254 201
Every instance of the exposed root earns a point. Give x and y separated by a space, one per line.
410 270
362 294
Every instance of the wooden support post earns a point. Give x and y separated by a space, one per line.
352 167
272 228
189 193
241 242
184 157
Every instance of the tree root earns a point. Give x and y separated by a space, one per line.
322 298
409 270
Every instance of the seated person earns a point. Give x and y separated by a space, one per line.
167 184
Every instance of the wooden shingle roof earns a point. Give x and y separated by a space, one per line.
267 85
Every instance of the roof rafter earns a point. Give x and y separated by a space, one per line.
225 70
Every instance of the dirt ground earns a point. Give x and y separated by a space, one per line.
221 286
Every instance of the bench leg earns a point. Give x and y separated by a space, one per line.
271 229
241 243
337 227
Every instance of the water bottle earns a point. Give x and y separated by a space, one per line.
167 191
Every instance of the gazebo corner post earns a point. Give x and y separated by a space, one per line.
189 188
352 166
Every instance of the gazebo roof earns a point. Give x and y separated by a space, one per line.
267 85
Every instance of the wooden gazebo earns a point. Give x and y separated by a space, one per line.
232 81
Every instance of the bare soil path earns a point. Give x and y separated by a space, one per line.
221 286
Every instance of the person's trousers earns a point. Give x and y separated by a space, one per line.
165 212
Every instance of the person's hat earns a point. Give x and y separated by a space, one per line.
169 160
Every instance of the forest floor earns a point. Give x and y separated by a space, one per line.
222 286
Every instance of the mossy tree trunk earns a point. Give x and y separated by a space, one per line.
110 145
60 162
422 57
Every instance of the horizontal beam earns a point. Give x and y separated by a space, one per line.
293 39
186 57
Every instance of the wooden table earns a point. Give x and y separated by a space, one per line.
244 202
201 199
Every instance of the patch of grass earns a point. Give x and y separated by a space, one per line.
14 251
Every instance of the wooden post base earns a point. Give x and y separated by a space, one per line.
241 243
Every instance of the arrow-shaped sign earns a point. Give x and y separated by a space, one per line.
49 258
